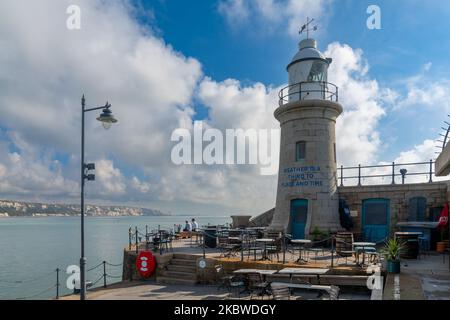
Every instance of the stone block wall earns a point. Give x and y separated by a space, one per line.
436 194
129 265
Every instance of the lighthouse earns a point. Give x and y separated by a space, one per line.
307 195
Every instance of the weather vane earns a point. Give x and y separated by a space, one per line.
306 27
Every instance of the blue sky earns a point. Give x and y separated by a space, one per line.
165 63
413 34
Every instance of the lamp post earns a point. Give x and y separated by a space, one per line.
107 119
403 173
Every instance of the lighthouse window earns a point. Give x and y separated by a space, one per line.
318 72
300 152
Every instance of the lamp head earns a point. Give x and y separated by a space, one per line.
106 117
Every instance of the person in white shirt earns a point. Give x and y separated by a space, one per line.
194 225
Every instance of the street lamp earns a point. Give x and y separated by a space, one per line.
107 119
403 172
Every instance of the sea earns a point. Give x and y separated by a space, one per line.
32 248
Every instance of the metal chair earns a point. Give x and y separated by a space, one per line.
229 282
256 284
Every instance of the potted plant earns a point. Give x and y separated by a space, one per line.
318 236
391 252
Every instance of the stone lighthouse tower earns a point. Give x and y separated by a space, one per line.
307 183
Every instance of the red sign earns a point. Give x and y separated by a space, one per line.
443 219
145 264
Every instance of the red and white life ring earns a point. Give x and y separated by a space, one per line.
145 264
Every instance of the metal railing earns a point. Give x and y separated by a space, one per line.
307 90
403 172
56 286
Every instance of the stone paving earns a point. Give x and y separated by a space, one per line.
153 291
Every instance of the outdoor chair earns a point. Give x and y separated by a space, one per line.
280 292
227 249
277 246
257 285
344 246
230 282
334 293
253 247
316 252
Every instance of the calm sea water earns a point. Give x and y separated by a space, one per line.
32 248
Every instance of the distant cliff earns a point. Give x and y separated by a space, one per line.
9 208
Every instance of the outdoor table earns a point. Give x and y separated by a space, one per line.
265 241
301 246
364 245
264 273
304 272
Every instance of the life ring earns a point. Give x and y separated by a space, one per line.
145 264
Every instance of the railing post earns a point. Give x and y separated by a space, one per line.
359 175
146 237
393 172
136 239
342 175
204 235
57 283
431 171
129 239
104 274
332 252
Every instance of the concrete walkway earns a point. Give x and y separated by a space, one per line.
427 278
152 291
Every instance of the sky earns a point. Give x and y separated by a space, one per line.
164 64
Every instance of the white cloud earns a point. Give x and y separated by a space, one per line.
358 140
109 177
271 15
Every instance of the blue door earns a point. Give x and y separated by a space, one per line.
375 219
299 214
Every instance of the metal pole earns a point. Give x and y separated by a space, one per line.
431 171
359 175
393 172
104 274
146 237
204 253
342 176
284 248
57 283
129 239
136 239
82 258
332 251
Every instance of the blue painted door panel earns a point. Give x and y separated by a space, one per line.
299 215
375 219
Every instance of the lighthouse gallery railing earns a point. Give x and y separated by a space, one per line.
309 90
